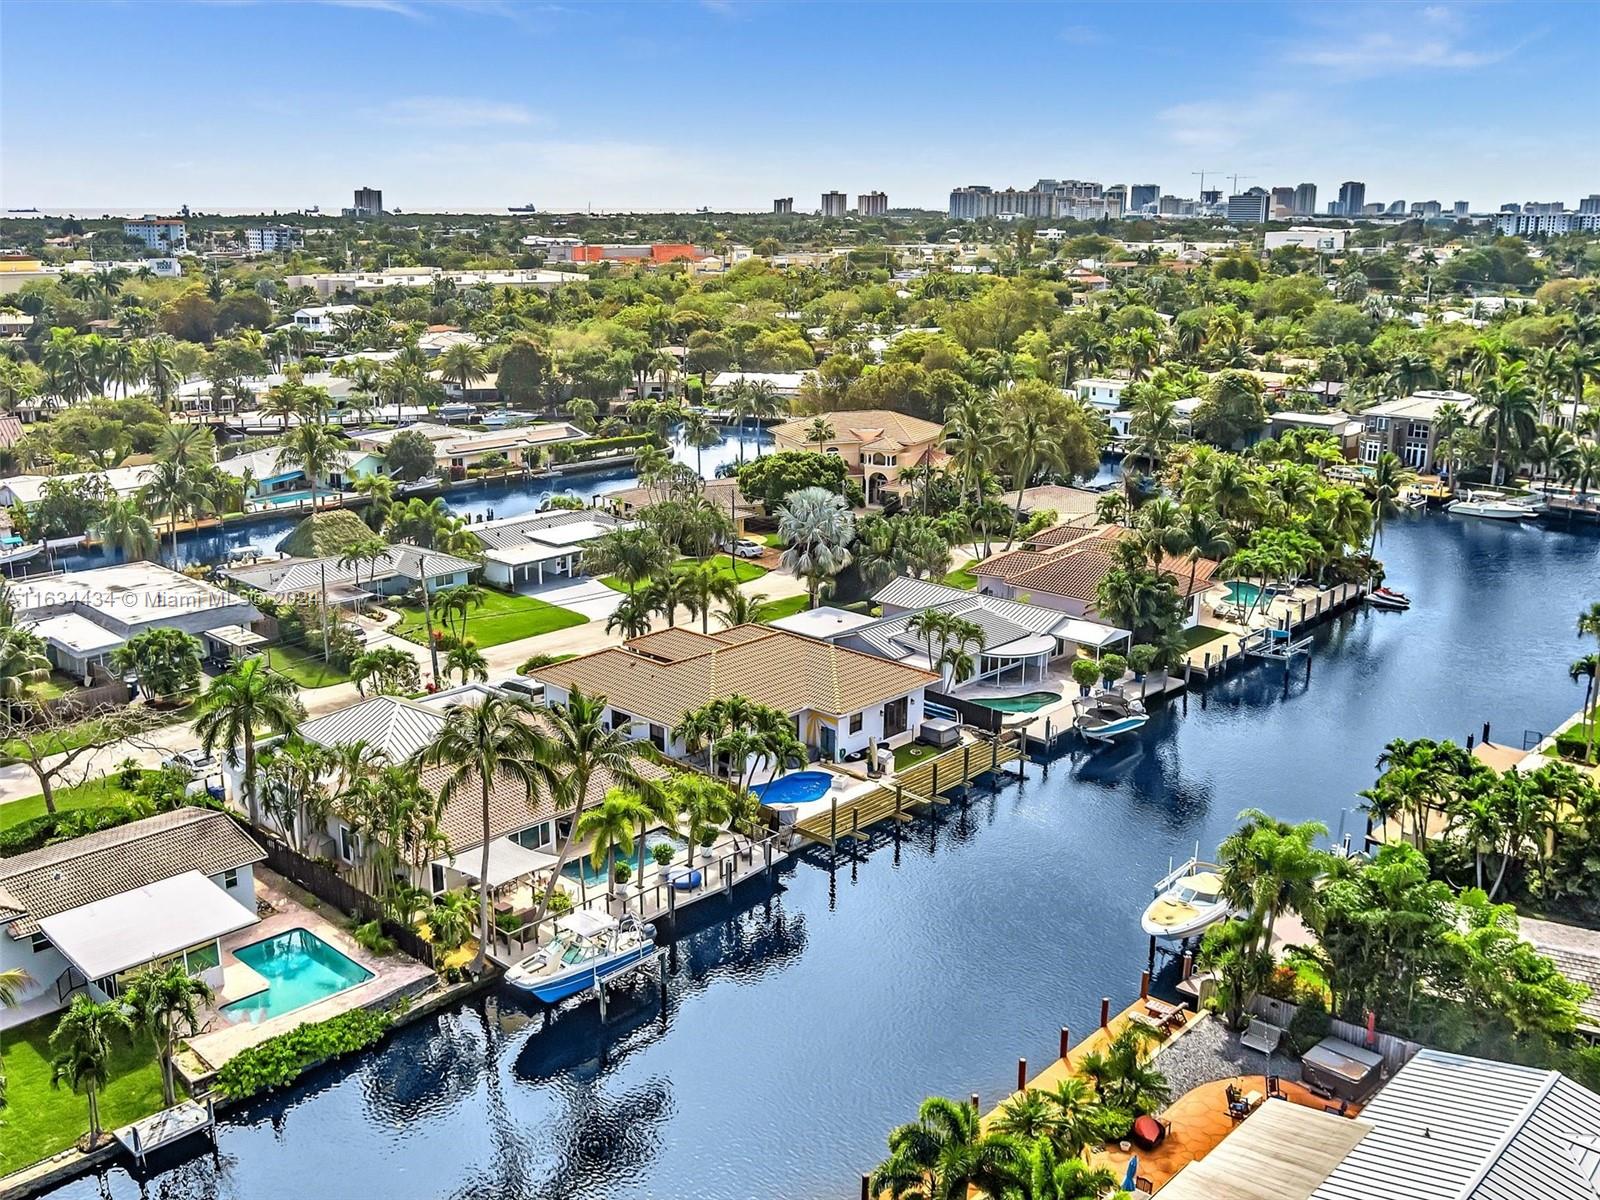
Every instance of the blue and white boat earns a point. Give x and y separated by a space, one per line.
1107 716
587 948
14 550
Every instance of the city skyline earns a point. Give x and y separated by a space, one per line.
1399 98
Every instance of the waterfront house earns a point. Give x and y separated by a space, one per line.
786 384
273 479
841 700
28 490
724 493
877 445
455 450
1340 426
83 616
1103 395
1408 427
1062 568
397 571
535 548
79 915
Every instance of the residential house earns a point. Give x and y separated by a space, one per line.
28 490
273 479
1408 427
79 915
84 616
878 446
1121 421
841 701
723 492
356 282
400 569
786 384
455 450
14 326
1340 426
1062 568
1102 394
535 548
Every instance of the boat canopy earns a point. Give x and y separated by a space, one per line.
585 923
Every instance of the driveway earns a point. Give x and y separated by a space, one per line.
586 596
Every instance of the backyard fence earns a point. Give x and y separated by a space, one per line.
329 886
106 693
1396 1051
979 716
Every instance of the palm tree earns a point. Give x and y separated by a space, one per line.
945 1154
1389 475
468 660
581 749
483 744
820 431
817 527
739 608
1201 534
631 554
166 1001
386 667
704 584
1587 669
609 827
173 490
1270 867
363 550
239 705
702 433
668 592
81 1048
23 662
1507 406
631 617
379 489
461 364
1029 440
316 449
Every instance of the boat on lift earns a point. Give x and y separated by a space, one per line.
1491 506
14 550
1107 716
1388 598
1188 900
588 947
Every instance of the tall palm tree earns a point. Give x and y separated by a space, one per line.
704 585
482 745
1029 440
945 1154
245 701
1389 475
633 555
81 1050
166 1001
609 827
1587 669
817 528
820 431
174 489
740 608
124 525
668 592
461 364
700 432
1202 534
1507 410
631 617
316 449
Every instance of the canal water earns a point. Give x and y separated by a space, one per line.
800 1023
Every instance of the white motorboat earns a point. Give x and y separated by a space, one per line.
1188 900
14 550
1490 506
1107 716
1387 598
587 948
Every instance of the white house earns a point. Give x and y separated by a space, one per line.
537 547
78 916
1102 394
395 572
322 319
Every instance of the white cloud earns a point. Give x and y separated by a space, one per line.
397 7
1382 53
455 112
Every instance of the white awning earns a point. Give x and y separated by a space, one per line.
1090 633
1023 647
507 861
236 636
150 922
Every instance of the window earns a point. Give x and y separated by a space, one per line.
230 879
436 877
855 722
39 943
349 843
202 958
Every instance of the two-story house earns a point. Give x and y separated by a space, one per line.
1408 428
877 446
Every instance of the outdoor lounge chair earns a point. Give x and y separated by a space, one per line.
1261 1035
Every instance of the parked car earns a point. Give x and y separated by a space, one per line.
745 548
519 686
196 762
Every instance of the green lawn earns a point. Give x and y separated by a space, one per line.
961 578
40 1120
775 609
503 618
1199 635
93 794
747 571
53 687
306 667
773 541
912 753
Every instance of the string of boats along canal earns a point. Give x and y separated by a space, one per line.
805 1019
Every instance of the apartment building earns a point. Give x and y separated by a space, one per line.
168 235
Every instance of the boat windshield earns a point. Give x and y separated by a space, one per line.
1196 895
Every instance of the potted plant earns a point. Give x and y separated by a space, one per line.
708 838
1084 672
622 872
1141 658
662 853
1112 668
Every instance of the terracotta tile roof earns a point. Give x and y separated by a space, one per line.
765 665
1012 562
1061 535
873 427
1076 575
717 491
674 644
68 875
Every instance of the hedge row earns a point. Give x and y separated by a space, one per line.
283 1059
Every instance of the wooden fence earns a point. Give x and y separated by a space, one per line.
107 693
329 886
979 716
1396 1051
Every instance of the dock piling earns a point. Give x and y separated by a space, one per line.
974 1099
1144 985
1066 1041
1105 1012
1022 1074
866 1187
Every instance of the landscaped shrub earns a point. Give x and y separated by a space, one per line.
622 872
663 854
1110 1124
1309 1025
560 902
564 452
371 937
283 1059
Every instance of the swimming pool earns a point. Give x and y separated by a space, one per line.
277 498
799 788
300 969
581 868
1025 703
1240 592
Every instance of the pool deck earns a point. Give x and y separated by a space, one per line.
393 975
1303 607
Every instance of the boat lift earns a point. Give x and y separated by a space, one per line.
149 1134
1278 643
656 960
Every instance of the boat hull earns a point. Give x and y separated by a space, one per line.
1113 729
583 977
1188 929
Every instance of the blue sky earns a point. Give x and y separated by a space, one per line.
728 103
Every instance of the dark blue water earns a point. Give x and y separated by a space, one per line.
799 1026
507 498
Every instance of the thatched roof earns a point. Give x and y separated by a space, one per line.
325 534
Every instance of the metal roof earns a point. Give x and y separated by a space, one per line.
396 727
1448 1127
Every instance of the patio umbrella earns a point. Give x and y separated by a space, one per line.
1131 1179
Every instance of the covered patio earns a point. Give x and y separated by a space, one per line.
232 642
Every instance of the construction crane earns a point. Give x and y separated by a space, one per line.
1203 175
1236 177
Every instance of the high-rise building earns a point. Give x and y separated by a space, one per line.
165 234
872 204
1352 198
783 205
1375 209
1142 196
1461 209
1173 206
1074 199
272 238
1556 222
1211 197
1116 200
1282 205
1427 209
835 204
1249 207
1590 203
1543 208
1305 200
1397 208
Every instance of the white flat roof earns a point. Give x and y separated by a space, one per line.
825 622
508 860
76 634
520 556
150 922
1090 633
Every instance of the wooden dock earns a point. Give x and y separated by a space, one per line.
149 1134
1296 615
917 786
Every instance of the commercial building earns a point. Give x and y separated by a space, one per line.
1074 199
1426 209
350 282
1281 207
1352 198
1305 200
166 235
1408 427
1527 222
835 204
1142 196
368 203
841 702
783 205
272 239
1590 203
1461 209
656 252
872 204
1249 207
1322 241
877 446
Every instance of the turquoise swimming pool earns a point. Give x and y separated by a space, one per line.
300 969
1240 592
1025 703
582 868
